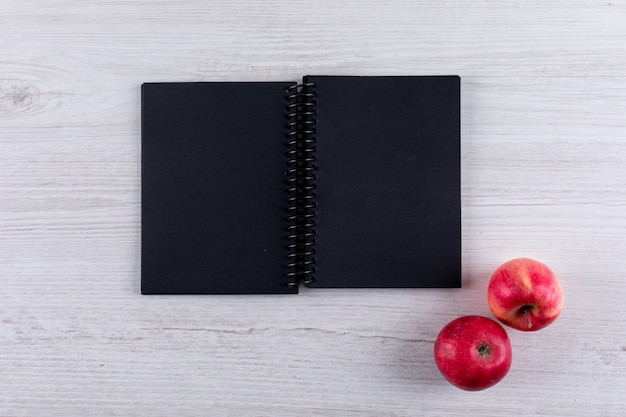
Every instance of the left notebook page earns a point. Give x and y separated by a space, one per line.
213 188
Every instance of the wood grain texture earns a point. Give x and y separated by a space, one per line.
544 175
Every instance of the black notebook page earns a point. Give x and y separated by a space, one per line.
213 160
388 181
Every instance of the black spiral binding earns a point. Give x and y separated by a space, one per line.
300 172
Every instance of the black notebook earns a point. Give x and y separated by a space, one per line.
261 187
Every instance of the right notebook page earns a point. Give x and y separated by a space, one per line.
388 181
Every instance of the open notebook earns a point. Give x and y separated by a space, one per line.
340 181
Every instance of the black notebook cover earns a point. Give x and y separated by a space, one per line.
339 182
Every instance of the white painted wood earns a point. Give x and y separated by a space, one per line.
544 175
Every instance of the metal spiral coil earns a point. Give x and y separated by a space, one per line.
300 174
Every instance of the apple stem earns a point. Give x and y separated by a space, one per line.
526 311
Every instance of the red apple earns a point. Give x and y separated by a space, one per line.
525 294
473 352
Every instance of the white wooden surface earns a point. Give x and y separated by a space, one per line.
544 175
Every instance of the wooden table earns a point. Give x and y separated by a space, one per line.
544 175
